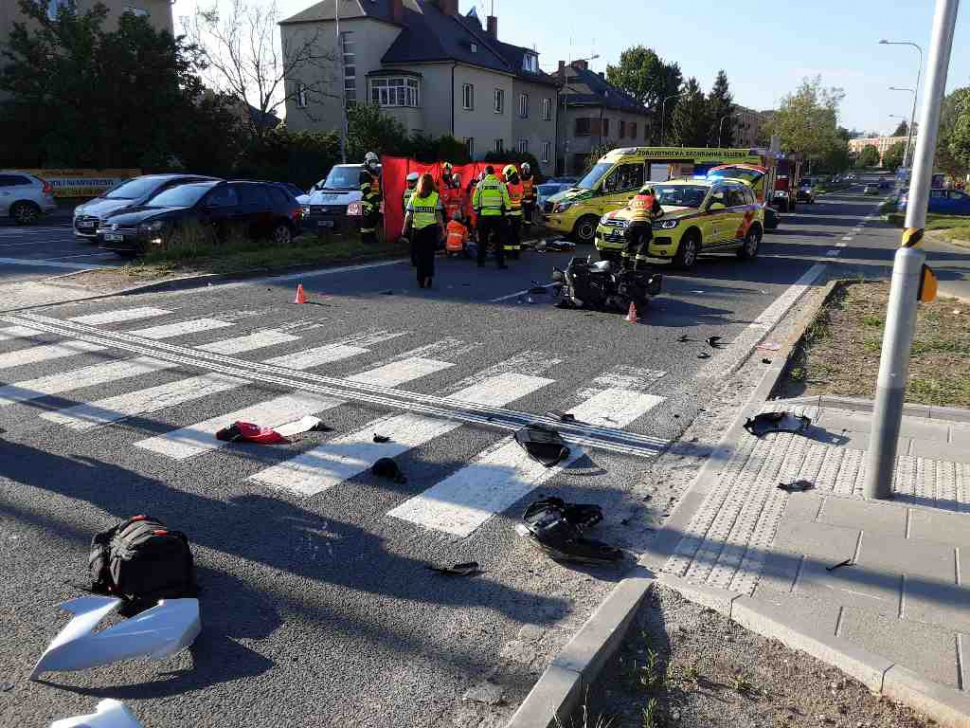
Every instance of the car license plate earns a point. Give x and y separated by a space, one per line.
325 223
86 224
114 237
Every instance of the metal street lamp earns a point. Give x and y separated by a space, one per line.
663 116
909 135
565 107
720 128
907 161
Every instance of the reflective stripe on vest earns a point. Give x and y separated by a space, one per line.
490 197
408 194
424 209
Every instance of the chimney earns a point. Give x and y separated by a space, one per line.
397 11
603 75
582 65
492 28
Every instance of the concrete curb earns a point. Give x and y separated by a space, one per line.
562 686
933 412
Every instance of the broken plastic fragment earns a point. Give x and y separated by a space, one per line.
833 567
714 342
108 714
468 568
769 346
543 444
387 468
703 355
766 422
797 486
381 438
683 339
159 632
562 416
556 528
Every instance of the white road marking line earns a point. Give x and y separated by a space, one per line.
843 244
47 352
504 473
325 466
18 332
249 342
125 314
143 401
832 253
335 351
623 376
398 372
201 437
847 238
167 331
732 356
79 378
50 264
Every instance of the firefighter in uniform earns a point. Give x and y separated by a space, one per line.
370 210
644 210
451 192
513 240
491 203
372 165
528 194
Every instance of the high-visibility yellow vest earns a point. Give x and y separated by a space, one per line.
408 194
491 198
424 210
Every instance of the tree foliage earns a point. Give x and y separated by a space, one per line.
868 157
649 79
807 120
902 129
893 158
83 97
953 140
691 122
721 106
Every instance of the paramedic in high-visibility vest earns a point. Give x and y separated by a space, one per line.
424 215
370 210
644 209
513 239
491 203
528 193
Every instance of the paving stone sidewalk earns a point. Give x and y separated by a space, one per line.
903 595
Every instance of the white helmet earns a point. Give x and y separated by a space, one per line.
413 177
371 159
526 167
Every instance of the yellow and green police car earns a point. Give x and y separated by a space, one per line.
700 216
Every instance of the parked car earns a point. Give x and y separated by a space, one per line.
24 197
127 195
547 190
942 202
329 198
870 189
301 196
806 192
256 210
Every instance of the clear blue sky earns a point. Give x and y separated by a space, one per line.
765 47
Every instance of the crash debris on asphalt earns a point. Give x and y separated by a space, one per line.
259 435
387 468
604 286
467 568
768 422
556 528
108 714
543 444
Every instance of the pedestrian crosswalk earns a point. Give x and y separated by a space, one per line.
382 368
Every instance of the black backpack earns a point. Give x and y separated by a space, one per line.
141 561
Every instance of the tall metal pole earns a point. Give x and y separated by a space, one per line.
907 161
343 87
720 128
897 342
909 135
663 118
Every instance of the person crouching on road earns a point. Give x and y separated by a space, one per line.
370 209
491 203
424 216
644 208
513 240
457 236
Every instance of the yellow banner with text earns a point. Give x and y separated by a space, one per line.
82 182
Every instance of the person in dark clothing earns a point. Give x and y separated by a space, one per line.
370 210
425 217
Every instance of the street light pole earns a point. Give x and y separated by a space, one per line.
919 73
909 135
908 270
663 117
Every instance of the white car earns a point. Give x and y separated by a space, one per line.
24 197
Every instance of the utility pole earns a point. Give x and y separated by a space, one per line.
911 281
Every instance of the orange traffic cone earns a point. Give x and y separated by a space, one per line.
631 315
300 295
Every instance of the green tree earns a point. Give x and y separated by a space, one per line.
720 105
301 157
807 120
868 157
649 79
691 122
953 141
902 129
371 130
893 158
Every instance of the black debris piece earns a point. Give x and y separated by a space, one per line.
703 355
556 528
683 338
387 468
6 687
833 567
714 342
321 427
469 568
561 416
381 438
796 486
387 293
543 444
766 422
766 361
581 515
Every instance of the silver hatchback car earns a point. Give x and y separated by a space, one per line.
24 197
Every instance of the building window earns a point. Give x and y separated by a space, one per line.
583 127
500 146
470 147
139 12
530 63
622 128
605 127
391 92
350 67
473 47
467 96
633 130
523 146
302 99
498 101
524 105
547 109
546 151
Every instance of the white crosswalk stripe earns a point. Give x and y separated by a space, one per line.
144 401
168 331
399 372
17 332
249 342
325 466
336 351
124 314
504 473
47 352
79 378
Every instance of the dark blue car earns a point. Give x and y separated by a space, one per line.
943 202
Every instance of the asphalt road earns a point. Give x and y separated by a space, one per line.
317 607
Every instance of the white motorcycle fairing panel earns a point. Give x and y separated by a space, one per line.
109 714
159 632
